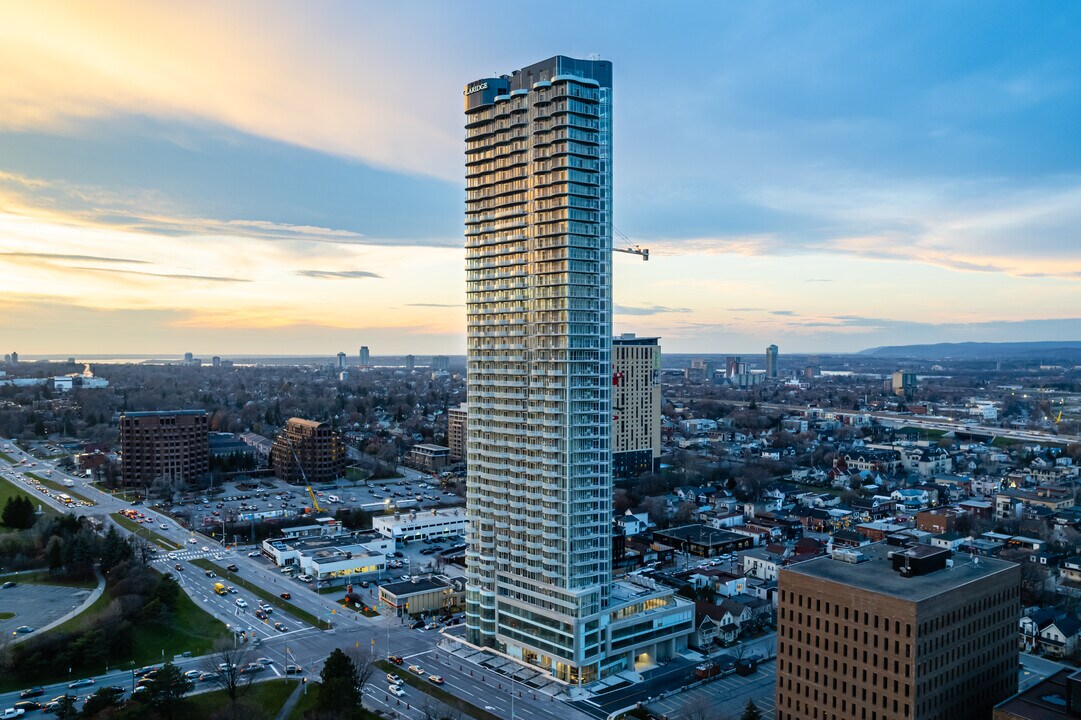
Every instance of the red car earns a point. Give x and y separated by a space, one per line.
286 596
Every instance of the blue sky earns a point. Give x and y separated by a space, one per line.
262 178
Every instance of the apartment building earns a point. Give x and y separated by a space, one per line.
636 405
172 444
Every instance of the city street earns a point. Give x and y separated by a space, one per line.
304 644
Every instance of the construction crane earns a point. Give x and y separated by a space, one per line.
304 477
633 248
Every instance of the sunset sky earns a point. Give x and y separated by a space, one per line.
286 178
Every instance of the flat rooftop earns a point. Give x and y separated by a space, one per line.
411 587
314 545
876 574
1046 700
161 413
701 535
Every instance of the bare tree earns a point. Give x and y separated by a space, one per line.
698 709
225 665
364 661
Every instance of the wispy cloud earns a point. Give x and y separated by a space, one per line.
338 274
74 258
172 276
647 310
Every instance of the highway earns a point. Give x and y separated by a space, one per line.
903 420
302 644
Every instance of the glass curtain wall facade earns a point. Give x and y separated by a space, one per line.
539 315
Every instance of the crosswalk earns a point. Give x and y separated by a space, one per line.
185 555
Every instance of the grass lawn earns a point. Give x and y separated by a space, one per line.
6 615
44 577
190 630
6 457
9 490
306 702
137 528
437 692
53 485
267 697
264 594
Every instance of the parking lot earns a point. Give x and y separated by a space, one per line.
726 697
36 605
266 498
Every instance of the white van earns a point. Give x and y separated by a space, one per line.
333 499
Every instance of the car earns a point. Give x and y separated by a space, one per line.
280 628
396 659
264 661
163 526
254 553
438 680
417 669
431 626
222 667
192 541
32 692
85 682
8 584
192 674
144 681
210 573
241 602
393 679
417 625
396 690
23 630
27 705
144 670
252 668
178 566
11 713
232 590
208 676
286 596
232 568
293 670
261 614
204 548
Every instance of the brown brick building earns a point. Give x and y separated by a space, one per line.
893 633
320 449
169 444
457 419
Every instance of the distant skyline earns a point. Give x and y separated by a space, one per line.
260 179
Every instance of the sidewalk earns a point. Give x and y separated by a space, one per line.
90 599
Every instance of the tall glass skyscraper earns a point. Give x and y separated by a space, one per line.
539 312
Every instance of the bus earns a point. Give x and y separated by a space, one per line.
66 498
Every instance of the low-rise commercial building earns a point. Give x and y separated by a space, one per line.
419 525
333 560
423 596
428 457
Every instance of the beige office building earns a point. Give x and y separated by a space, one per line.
885 632
636 405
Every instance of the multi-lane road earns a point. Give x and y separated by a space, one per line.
302 643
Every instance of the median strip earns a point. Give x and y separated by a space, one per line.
53 485
264 594
136 528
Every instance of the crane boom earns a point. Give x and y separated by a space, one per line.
632 249
304 476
